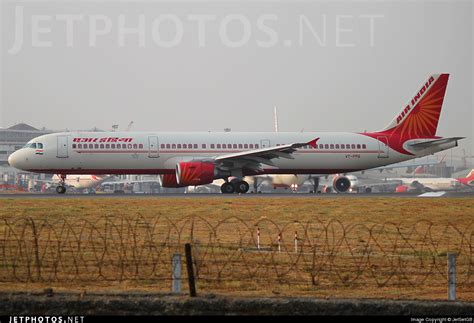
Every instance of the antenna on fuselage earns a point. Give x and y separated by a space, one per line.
275 118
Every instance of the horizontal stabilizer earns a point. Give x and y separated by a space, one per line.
435 142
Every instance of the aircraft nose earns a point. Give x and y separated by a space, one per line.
11 160
14 160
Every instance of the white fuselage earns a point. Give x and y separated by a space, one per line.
158 153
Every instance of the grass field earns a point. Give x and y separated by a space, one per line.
380 247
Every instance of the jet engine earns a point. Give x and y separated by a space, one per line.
169 181
195 173
401 189
343 184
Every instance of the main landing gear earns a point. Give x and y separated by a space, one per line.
235 186
61 188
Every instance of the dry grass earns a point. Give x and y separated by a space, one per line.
273 215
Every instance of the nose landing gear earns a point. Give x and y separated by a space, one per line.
61 188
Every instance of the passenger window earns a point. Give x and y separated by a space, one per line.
326 146
135 146
203 146
129 146
79 146
124 146
364 146
337 146
190 146
179 146
195 146
185 146
256 146
353 146
140 146
224 146
235 146
173 146
246 146
168 146
342 146
112 146
358 146
240 146
218 146
73 146
91 146
212 146
162 146
332 146
107 146
251 146
101 146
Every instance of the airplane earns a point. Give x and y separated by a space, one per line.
78 182
434 184
190 159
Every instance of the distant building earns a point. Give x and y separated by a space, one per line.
15 137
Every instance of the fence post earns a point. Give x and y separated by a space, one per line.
189 267
451 276
37 257
296 241
176 289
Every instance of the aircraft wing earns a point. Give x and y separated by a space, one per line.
254 158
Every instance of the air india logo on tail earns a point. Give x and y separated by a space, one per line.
415 100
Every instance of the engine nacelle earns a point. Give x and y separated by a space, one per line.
169 181
195 173
341 184
401 189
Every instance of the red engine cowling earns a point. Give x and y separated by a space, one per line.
194 173
401 189
169 181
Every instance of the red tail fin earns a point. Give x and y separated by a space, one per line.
470 176
419 118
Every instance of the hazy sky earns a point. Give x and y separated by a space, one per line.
208 65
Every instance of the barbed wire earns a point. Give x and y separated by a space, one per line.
233 252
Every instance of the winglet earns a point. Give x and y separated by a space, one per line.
312 143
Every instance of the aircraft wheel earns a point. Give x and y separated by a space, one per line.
60 189
242 187
227 188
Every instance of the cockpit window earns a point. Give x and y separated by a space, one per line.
34 145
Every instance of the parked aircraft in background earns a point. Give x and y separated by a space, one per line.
424 184
78 182
190 159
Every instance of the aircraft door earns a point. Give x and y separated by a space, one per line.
62 146
153 151
264 143
383 147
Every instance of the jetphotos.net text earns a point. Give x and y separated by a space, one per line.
167 30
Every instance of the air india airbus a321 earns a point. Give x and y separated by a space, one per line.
190 159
